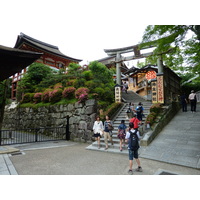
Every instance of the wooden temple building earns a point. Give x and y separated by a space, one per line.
145 82
51 56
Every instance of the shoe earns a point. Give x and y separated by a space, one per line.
106 148
98 147
120 149
130 172
139 169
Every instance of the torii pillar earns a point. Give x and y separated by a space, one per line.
118 69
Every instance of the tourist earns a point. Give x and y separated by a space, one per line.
121 134
136 122
184 102
125 87
133 150
108 127
130 110
193 101
98 130
139 111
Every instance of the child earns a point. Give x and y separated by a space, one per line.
121 134
133 153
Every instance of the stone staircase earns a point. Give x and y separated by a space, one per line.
130 97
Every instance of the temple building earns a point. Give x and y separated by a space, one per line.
51 56
145 82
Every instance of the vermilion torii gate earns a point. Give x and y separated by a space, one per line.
137 55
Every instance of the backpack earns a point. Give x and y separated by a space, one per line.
139 109
133 141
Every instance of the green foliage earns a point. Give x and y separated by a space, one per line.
178 44
111 110
69 92
101 74
28 97
155 109
55 95
35 74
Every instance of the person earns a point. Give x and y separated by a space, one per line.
139 110
130 110
184 102
125 87
98 130
121 134
107 131
133 153
136 122
193 101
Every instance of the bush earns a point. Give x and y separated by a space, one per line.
68 92
111 110
151 118
28 97
55 96
37 97
45 96
156 108
82 94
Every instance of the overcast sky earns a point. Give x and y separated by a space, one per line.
81 29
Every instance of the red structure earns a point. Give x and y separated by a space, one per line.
51 56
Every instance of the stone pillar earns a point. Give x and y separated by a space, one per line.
160 65
118 69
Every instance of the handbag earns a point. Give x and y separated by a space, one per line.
110 127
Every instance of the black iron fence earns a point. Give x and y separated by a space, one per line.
19 136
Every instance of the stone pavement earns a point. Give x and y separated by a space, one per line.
179 142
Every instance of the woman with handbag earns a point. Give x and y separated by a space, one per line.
121 134
108 127
98 130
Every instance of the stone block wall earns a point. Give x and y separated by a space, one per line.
82 117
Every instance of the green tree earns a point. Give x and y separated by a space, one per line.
35 74
101 74
178 44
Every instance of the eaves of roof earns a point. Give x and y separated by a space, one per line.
13 60
22 38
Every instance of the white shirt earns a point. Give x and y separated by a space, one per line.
98 127
128 134
191 96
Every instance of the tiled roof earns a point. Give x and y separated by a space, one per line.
22 38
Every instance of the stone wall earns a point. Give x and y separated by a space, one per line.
82 117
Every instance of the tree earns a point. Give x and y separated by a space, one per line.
178 44
35 74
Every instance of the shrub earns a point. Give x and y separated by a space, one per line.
151 118
55 96
82 94
45 96
156 108
69 92
37 97
58 86
28 97
111 110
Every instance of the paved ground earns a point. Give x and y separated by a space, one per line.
175 150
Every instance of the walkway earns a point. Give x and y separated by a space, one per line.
179 142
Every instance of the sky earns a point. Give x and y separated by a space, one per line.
82 29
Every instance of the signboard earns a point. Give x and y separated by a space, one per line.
118 94
160 89
154 91
150 75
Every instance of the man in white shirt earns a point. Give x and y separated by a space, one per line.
193 101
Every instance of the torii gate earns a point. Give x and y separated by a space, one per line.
159 95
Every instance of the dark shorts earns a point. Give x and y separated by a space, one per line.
133 154
97 135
